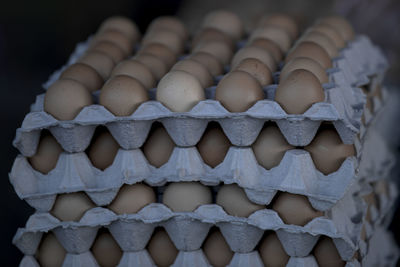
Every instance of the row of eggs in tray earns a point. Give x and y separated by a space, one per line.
180 89
327 150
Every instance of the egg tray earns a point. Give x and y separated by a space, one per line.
189 229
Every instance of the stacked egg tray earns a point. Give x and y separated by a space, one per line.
338 194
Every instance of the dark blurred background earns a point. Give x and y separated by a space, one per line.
36 38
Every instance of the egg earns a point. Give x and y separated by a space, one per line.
328 151
161 51
47 153
234 201
186 196
326 254
311 50
137 70
64 99
213 145
110 49
122 95
282 20
209 61
71 206
217 250
122 24
132 198
116 37
179 91
99 61
169 23
330 32
196 69
257 69
168 38
50 252
271 251
294 209
254 52
304 63
154 63
212 34
158 147
274 33
218 49
161 249
341 25
106 250
269 46
226 22
83 74
103 150
322 40
299 91
238 91
270 147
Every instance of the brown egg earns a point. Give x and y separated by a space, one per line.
274 33
341 25
47 153
304 63
106 250
299 91
110 49
257 69
313 51
116 37
328 151
218 49
83 74
137 70
154 63
64 99
71 206
326 254
103 150
186 196
50 252
161 51
168 38
158 147
226 22
209 61
238 91
322 40
330 32
270 147
196 69
161 249
212 34
294 209
282 20
254 52
169 23
213 146
122 95
122 24
272 252
132 198
99 61
234 201
179 91
217 250
270 46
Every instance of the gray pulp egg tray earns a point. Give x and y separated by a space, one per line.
188 230
343 106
